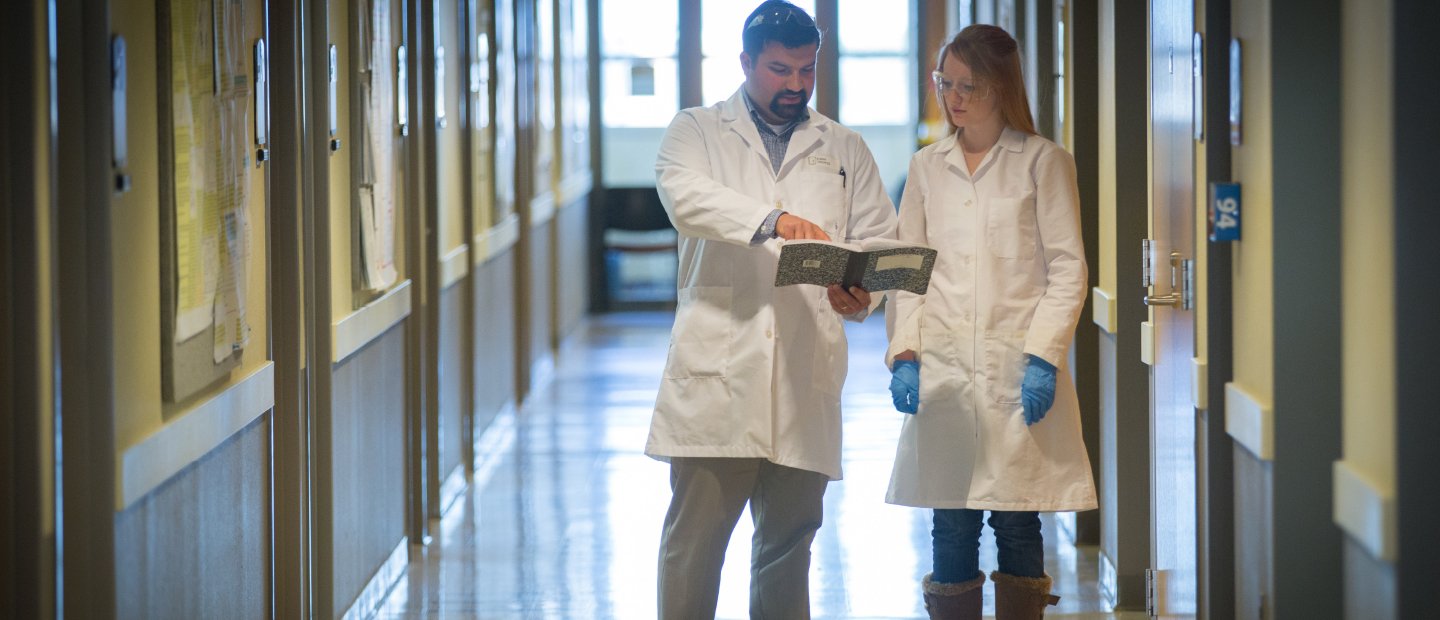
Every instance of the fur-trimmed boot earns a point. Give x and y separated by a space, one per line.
1022 598
953 601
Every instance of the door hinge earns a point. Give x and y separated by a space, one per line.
1147 270
1187 285
1155 591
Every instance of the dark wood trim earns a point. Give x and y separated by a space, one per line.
1308 563
426 304
827 70
1417 261
690 55
525 191
469 12
27 315
420 262
1216 503
1132 377
87 409
288 202
1084 46
599 280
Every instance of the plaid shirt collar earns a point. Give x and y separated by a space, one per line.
775 143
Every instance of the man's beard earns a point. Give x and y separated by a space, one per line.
789 111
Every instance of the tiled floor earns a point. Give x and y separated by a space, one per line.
564 519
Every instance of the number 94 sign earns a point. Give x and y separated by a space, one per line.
1224 220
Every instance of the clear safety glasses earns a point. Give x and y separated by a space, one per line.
969 91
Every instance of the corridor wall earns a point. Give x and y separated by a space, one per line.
497 223
1364 479
192 490
1283 407
366 291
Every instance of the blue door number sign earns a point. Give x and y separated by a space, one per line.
1224 217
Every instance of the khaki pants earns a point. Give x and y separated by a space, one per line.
709 495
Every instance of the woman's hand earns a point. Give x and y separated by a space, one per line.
905 385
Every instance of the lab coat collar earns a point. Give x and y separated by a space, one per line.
1011 139
735 114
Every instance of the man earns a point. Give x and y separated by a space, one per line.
749 408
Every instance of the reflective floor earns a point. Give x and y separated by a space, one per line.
563 520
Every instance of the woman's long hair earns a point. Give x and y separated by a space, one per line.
994 59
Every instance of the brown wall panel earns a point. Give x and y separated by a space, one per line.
368 463
1254 556
573 254
452 377
199 546
541 274
495 338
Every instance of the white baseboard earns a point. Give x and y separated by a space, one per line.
363 326
1102 309
372 596
193 434
1250 421
1366 511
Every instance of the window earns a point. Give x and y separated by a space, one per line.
639 86
723 22
877 81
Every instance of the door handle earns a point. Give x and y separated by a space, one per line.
1182 284
1172 300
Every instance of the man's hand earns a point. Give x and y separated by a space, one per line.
848 302
790 228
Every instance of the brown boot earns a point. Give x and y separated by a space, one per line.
953 601
1022 598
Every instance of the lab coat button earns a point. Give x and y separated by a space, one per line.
769 334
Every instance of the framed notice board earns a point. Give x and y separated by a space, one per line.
213 102
379 109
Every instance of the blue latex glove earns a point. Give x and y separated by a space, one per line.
1037 391
905 385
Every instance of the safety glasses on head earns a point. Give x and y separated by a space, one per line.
780 14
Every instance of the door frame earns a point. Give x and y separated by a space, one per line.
1417 259
1215 503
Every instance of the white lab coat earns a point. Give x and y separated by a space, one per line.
1009 280
755 370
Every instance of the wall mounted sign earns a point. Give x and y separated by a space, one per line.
1235 98
1197 86
1224 212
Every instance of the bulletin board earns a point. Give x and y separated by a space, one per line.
545 171
206 90
380 101
575 143
481 66
503 61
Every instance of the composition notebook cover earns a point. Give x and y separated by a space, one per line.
889 267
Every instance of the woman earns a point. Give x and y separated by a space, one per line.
980 358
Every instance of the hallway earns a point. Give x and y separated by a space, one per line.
564 516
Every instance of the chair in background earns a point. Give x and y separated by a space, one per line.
639 249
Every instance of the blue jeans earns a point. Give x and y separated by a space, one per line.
957 544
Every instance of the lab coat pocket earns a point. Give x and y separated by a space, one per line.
1010 228
1004 365
824 201
700 341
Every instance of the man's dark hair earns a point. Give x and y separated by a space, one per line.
780 21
